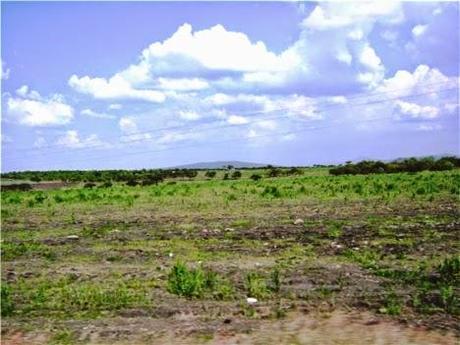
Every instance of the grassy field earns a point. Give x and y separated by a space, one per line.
176 262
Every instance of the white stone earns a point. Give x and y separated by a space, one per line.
251 300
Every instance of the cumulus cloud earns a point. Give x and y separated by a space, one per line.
215 49
24 92
72 139
415 111
423 79
182 84
91 113
335 15
31 109
220 61
114 88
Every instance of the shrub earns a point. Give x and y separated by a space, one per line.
185 282
132 183
7 306
106 184
256 286
449 270
89 185
236 175
275 280
194 283
210 174
255 177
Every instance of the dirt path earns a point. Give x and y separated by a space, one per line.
336 328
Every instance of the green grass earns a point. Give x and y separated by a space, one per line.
397 232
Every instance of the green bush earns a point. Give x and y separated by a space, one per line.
7 306
256 286
186 282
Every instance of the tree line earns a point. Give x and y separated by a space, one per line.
410 165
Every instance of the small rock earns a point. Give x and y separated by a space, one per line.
298 221
251 300
73 237
372 322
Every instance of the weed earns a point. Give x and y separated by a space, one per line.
62 337
275 280
256 286
7 306
186 282
392 304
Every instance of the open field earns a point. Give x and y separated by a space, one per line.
361 259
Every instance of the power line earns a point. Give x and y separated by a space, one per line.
226 125
136 135
258 136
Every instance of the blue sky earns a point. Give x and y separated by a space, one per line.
147 84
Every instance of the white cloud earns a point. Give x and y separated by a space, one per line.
334 15
423 79
237 120
5 72
174 136
338 99
429 127
344 56
356 34
130 131
91 113
71 139
214 48
40 142
225 99
114 88
389 35
189 115
419 30
369 58
267 124
437 11
415 111
34 110
115 106
24 92
182 84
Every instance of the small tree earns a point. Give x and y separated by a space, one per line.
131 183
236 175
255 177
210 174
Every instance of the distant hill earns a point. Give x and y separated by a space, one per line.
219 165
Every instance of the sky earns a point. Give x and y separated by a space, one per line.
103 85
